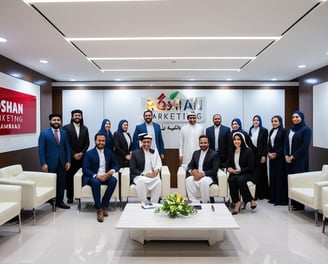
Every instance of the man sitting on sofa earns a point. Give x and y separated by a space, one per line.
99 165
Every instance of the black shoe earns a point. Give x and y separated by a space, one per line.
69 201
62 205
253 206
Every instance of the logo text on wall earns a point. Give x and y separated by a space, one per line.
174 107
17 112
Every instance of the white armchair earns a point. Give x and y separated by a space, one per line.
86 192
37 187
128 190
216 190
306 188
324 207
10 203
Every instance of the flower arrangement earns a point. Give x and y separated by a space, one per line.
175 205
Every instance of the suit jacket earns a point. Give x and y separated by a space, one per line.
78 144
210 165
246 161
91 164
279 141
224 137
262 143
137 162
158 134
50 152
300 149
121 148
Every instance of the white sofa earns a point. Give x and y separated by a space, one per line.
220 190
128 190
85 191
306 188
10 203
324 207
37 187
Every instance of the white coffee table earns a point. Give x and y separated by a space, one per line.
207 224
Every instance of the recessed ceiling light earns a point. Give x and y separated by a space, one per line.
301 66
311 81
229 79
16 75
273 79
117 80
3 40
43 61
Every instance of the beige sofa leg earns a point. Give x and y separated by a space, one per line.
323 224
316 218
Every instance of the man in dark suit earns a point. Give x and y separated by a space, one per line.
55 155
99 165
219 137
151 128
202 169
78 137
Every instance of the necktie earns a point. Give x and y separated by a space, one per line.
56 136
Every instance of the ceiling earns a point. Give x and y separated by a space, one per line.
166 40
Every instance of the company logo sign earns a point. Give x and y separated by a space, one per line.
17 112
174 107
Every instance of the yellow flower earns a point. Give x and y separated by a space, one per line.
175 205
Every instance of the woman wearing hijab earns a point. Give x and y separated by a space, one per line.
259 137
236 126
277 167
122 144
296 149
105 129
241 170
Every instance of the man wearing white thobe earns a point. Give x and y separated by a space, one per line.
145 165
188 141
202 169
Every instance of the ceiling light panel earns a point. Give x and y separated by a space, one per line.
172 48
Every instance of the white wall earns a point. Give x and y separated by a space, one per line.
128 104
320 117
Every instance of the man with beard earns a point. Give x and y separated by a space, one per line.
99 165
219 137
189 137
202 171
55 155
145 166
151 128
78 137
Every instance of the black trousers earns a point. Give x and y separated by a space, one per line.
238 186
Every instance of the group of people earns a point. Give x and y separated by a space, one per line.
244 156
201 152
64 151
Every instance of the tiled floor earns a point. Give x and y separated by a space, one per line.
271 234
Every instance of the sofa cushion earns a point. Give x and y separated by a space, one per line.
302 195
7 211
21 176
324 173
